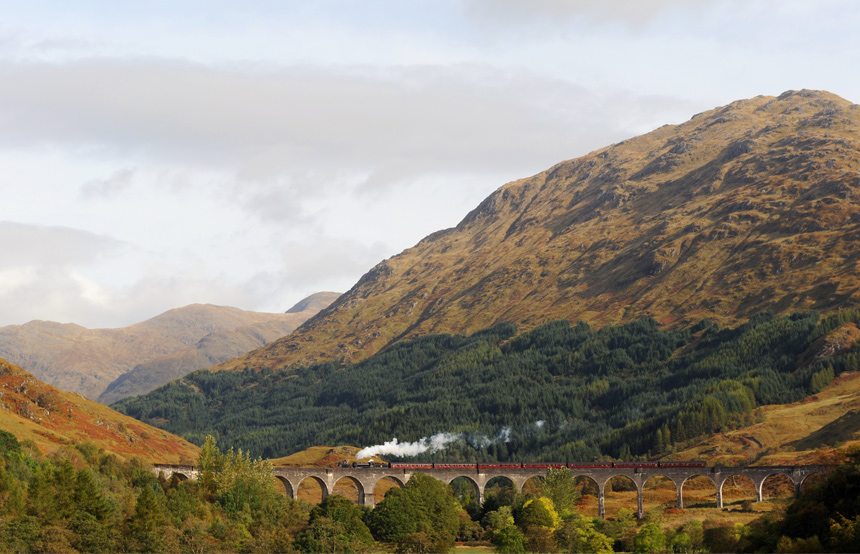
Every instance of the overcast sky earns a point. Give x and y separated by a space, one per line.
161 153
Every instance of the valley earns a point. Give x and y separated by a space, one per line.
559 392
691 294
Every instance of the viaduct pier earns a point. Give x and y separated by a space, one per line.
365 479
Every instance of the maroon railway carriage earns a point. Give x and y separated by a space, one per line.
524 465
500 465
403 465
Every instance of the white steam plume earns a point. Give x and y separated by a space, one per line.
394 448
432 444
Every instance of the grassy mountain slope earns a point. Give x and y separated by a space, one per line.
51 418
176 342
747 207
805 432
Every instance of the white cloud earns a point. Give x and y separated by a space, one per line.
113 185
27 246
400 122
629 11
158 154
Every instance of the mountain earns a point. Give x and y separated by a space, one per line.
212 349
744 208
157 350
314 303
52 418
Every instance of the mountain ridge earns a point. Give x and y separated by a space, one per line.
88 361
743 208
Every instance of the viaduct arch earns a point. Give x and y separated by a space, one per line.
367 478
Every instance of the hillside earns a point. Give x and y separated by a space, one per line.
805 432
51 418
158 350
556 392
744 208
810 431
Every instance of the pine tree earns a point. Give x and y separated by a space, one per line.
88 498
65 481
659 445
207 464
145 525
680 431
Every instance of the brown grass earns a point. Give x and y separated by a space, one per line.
812 431
318 456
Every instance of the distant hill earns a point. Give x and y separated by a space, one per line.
51 418
314 302
744 208
153 352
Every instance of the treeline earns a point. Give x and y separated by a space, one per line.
82 499
560 392
85 500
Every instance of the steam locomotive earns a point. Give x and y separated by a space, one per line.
521 465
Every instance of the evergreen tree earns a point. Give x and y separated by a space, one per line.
145 526
88 497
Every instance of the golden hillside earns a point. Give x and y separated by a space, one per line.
51 418
744 208
814 431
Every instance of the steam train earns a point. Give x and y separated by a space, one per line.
521 465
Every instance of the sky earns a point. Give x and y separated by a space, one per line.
162 153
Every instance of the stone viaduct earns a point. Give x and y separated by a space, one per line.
365 479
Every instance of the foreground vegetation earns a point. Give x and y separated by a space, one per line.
83 500
560 392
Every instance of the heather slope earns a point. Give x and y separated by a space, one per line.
52 418
158 350
744 208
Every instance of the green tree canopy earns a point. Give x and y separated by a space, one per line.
424 505
559 486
